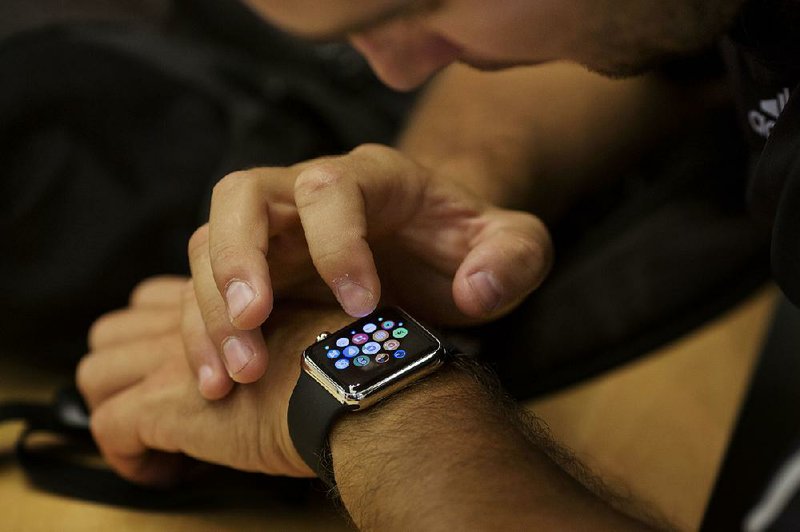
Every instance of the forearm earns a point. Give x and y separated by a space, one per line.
533 137
447 455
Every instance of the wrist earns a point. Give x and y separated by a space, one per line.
448 388
352 369
377 453
296 327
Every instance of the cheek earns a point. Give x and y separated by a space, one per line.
510 30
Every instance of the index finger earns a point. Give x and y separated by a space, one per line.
341 202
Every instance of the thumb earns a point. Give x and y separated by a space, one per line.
507 260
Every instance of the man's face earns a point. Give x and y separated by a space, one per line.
406 41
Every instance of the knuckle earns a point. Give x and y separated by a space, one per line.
224 254
188 296
234 181
154 289
217 324
193 343
95 334
195 354
84 376
531 236
523 222
100 424
140 290
529 254
537 227
101 327
527 249
392 162
523 244
372 150
315 180
198 242
156 428
543 247
331 258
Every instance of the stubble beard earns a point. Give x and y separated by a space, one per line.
650 33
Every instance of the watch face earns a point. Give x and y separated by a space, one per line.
372 349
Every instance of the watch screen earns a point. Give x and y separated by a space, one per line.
372 348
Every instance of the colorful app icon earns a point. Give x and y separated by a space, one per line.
350 351
391 345
360 338
371 348
380 336
334 353
342 363
369 328
400 332
381 358
342 342
400 353
388 324
361 361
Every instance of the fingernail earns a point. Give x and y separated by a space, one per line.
237 355
204 376
355 299
487 289
238 295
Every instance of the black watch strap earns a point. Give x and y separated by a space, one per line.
312 411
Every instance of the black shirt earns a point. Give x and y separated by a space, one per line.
763 55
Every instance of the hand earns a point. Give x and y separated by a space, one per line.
443 253
146 412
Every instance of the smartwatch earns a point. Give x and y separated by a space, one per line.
352 369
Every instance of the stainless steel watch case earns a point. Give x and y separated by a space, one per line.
360 399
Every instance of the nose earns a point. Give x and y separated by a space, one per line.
404 55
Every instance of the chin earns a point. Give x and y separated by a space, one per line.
621 71
617 64
628 67
613 71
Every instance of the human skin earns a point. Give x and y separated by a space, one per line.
485 466
350 216
528 490
540 136
407 41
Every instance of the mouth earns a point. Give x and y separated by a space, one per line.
496 66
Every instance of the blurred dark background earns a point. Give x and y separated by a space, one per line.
118 116
116 119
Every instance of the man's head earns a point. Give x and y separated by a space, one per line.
406 41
